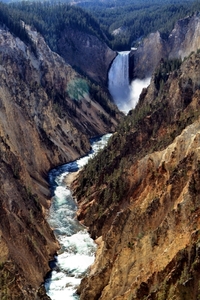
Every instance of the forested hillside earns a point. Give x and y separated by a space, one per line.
125 22
140 196
50 19
120 25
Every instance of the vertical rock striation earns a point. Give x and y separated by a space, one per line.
47 116
148 230
183 39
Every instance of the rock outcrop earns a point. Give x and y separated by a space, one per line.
146 57
184 38
47 115
143 209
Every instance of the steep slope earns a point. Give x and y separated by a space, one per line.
183 39
71 32
47 114
140 197
86 53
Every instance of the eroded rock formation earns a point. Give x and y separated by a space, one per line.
184 38
47 115
143 209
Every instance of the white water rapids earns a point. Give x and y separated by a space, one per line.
124 93
77 248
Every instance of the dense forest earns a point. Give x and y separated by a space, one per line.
50 19
120 24
126 22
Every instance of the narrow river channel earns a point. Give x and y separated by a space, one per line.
77 248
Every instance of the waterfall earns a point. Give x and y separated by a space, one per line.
119 71
118 79
124 94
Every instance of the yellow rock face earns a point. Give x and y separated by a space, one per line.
151 237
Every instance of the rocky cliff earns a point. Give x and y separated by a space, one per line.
184 38
48 112
143 207
86 53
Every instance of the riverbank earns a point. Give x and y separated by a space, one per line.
77 247
68 180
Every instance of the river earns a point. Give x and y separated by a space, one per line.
77 250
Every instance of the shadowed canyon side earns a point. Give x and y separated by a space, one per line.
141 199
86 53
143 207
48 112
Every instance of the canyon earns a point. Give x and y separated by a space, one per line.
48 115
139 198
143 207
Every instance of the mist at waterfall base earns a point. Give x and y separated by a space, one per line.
77 250
125 95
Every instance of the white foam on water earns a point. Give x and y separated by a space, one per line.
59 179
61 193
125 95
75 264
136 88
96 146
77 250
62 287
79 242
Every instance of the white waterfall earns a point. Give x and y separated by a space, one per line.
118 79
124 94
119 71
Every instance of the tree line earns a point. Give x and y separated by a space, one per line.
137 19
133 19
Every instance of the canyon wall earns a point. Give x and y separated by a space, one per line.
86 53
184 38
48 112
143 209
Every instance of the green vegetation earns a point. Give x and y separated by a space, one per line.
101 96
9 19
77 89
81 87
162 73
50 20
138 134
120 25
136 19
8 276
